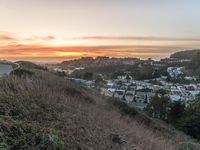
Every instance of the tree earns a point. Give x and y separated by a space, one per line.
99 82
61 73
88 76
118 73
190 121
162 92
177 110
119 83
155 74
158 107
22 72
191 125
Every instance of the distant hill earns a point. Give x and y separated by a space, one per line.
86 62
187 54
193 67
44 111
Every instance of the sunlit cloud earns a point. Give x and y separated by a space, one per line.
69 52
7 37
49 47
43 38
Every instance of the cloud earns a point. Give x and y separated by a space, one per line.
149 38
6 38
11 46
39 51
43 38
12 37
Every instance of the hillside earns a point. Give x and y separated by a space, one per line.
193 67
43 111
187 54
86 62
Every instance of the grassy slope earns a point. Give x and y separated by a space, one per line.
46 112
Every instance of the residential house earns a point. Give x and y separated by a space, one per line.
119 93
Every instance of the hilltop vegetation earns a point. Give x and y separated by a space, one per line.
44 111
192 67
137 71
177 114
96 62
30 65
187 54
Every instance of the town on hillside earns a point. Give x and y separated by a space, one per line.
134 81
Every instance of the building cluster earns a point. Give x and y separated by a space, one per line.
174 60
175 72
140 93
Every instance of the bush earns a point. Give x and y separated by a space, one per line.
48 112
24 135
22 72
124 107
190 125
27 64
188 146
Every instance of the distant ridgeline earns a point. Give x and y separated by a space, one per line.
193 67
98 61
187 54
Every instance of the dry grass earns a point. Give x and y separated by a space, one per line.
82 119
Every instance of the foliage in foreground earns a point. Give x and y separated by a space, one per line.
43 111
188 146
186 119
22 72
123 107
24 135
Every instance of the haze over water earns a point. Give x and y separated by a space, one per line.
5 69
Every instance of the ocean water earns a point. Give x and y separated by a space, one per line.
5 69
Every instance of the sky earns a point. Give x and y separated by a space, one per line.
55 30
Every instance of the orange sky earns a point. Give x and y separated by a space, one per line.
52 49
55 30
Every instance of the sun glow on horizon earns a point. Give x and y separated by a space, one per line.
71 54
49 47
64 29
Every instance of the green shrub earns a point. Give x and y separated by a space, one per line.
22 72
27 136
27 64
124 107
188 146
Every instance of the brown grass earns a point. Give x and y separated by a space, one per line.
79 116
